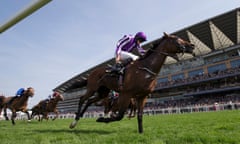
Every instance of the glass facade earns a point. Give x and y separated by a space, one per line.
160 80
195 72
217 67
235 63
178 76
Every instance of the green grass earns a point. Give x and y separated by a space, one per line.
195 128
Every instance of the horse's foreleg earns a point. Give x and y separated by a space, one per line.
44 116
14 115
81 102
5 113
28 115
140 106
56 114
39 119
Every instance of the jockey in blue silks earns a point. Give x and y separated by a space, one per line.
20 92
124 49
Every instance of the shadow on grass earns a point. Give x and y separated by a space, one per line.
103 132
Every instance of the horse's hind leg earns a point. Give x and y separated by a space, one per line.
123 103
89 102
102 93
81 102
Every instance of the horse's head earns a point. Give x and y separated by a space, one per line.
175 45
59 97
29 92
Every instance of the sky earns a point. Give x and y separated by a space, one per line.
66 37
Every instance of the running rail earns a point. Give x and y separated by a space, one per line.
23 14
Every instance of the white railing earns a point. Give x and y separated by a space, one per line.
147 111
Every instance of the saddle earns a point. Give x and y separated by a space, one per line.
44 103
119 70
119 73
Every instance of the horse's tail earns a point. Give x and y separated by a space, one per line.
79 84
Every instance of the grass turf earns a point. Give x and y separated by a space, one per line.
222 127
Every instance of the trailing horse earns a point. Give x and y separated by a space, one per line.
139 81
44 108
111 105
16 104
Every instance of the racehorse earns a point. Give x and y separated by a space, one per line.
111 105
16 104
44 107
3 100
140 79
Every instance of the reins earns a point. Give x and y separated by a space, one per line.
182 48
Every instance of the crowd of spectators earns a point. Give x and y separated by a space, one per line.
230 78
196 101
200 77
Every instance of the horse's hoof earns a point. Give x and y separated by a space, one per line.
29 120
73 124
101 119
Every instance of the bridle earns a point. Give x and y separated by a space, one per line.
180 47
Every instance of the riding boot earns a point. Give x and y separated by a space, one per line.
126 62
119 67
115 68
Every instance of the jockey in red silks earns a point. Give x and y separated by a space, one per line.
124 49
46 101
53 96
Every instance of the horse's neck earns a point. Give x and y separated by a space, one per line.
54 102
23 98
155 61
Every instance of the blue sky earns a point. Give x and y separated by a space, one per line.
67 37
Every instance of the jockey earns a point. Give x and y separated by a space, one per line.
124 49
53 96
20 92
50 97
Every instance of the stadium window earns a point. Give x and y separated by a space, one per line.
160 80
178 76
216 68
235 63
195 72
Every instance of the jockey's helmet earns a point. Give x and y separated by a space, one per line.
141 36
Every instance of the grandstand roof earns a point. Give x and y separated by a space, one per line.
213 34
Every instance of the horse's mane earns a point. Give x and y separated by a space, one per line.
152 47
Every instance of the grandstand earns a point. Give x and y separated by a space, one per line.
211 77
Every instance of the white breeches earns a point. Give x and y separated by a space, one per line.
125 55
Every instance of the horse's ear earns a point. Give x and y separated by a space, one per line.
165 34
